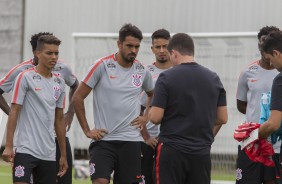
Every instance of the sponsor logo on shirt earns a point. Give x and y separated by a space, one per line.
151 69
36 78
113 77
19 171
111 66
136 80
57 80
253 80
57 92
253 68
139 68
58 68
92 168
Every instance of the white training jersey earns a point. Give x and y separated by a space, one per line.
153 129
61 69
253 81
39 97
116 93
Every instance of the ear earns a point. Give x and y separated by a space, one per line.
276 52
119 43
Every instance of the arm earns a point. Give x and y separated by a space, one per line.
8 154
150 141
156 115
78 102
68 116
221 118
242 106
61 136
3 103
271 125
141 121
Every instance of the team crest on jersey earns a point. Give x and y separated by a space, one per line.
36 77
57 92
92 168
253 68
238 174
19 171
139 68
136 80
111 66
57 68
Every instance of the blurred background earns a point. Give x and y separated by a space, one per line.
224 33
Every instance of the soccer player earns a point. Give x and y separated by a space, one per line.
255 79
117 81
61 69
150 132
36 110
271 49
189 100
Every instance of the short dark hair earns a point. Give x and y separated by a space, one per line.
266 30
161 33
272 41
182 43
47 39
34 38
129 30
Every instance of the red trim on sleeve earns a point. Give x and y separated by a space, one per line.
95 67
16 92
158 163
13 69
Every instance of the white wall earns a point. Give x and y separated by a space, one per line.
62 17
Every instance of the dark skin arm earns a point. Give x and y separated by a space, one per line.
3 103
242 106
68 116
61 135
78 101
8 154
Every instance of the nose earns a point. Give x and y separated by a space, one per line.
134 50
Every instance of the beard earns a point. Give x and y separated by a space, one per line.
129 59
162 60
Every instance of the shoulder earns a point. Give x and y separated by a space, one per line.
252 67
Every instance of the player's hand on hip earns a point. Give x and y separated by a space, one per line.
96 134
139 122
8 155
152 142
63 166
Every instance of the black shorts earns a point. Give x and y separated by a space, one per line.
252 172
67 178
174 166
43 171
147 162
122 157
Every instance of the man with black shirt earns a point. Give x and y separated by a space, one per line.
189 102
272 50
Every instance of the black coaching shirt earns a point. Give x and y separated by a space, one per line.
276 93
190 95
